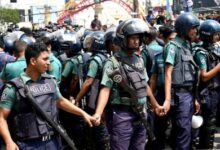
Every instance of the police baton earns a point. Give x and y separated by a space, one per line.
58 128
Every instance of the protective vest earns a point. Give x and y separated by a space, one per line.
159 61
211 61
134 75
82 65
25 123
148 53
95 87
184 71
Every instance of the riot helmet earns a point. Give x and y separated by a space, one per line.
110 34
84 39
85 33
130 27
109 39
27 39
95 42
207 30
185 22
44 34
70 44
9 44
9 40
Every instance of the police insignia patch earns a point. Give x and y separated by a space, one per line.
90 66
171 50
139 66
109 70
203 61
3 96
117 78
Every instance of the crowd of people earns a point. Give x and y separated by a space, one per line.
133 86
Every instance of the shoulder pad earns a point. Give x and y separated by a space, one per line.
17 82
71 59
9 84
200 50
101 57
114 61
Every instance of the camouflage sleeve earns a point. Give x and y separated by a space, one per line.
93 68
106 80
67 69
8 97
170 53
200 59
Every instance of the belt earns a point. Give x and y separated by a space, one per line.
183 89
122 107
42 138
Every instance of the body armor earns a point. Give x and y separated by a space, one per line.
25 123
134 75
184 71
95 87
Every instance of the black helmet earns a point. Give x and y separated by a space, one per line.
110 34
27 39
9 44
130 27
95 42
71 43
207 29
185 22
85 33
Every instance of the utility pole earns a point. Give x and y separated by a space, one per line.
47 14
135 9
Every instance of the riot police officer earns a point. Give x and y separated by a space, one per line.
4 59
109 39
91 86
157 86
180 75
55 68
14 69
209 66
126 130
26 129
71 45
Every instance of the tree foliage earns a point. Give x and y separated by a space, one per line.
9 15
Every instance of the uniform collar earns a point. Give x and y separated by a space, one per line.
121 53
182 41
154 42
21 59
25 77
